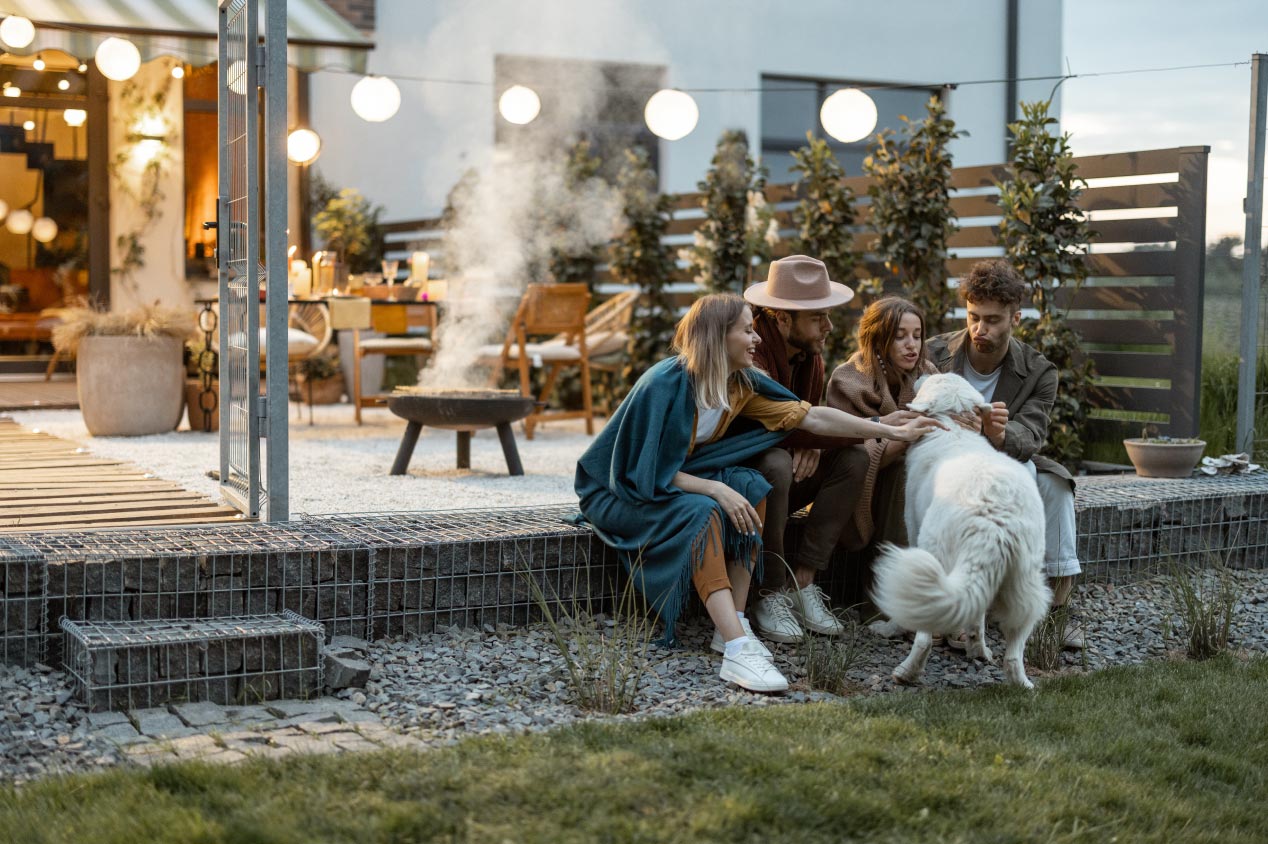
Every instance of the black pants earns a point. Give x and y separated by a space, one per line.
834 489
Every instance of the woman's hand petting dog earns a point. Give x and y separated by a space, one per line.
742 514
916 428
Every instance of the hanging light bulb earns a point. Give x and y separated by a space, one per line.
671 114
17 31
519 105
302 146
44 229
83 67
12 91
28 125
74 116
178 71
848 115
375 98
20 221
118 59
63 84
38 64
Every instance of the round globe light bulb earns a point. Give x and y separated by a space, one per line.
302 146
848 115
13 91
44 229
20 221
375 98
17 31
63 84
74 116
118 59
178 72
83 67
671 114
38 64
519 105
28 125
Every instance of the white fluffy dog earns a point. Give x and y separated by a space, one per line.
976 524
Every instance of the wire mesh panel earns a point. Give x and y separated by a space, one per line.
23 604
208 572
1132 526
244 660
473 567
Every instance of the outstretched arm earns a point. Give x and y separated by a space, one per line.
836 423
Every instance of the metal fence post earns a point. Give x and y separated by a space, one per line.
1254 208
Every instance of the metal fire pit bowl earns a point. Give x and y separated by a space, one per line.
462 411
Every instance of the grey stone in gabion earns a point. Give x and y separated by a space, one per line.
179 605
224 657
179 574
96 578
345 669
419 595
113 607
20 615
142 575
451 593
22 577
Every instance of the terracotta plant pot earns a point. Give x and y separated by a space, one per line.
131 386
193 406
1161 459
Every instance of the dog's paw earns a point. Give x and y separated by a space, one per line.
979 650
1015 674
907 676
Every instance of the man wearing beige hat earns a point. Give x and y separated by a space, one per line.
793 319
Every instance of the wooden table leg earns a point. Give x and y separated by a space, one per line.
406 449
509 450
464 449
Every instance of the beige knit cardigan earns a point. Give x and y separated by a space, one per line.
852 389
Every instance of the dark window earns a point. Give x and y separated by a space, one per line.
790 108
600 101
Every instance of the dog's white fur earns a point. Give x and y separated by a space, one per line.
976 524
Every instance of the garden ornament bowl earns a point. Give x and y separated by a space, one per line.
1164 457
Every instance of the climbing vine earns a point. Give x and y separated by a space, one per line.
139 167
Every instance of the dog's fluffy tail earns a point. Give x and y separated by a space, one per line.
915 590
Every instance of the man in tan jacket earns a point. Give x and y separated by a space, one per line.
1021 385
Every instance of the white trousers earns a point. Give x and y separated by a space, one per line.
1060 557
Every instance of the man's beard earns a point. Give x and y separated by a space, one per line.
805 346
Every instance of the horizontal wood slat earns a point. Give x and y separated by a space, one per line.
1134 365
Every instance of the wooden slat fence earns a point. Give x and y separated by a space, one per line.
1139 314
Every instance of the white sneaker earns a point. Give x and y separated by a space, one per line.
775 618
811 608
719 644
752 669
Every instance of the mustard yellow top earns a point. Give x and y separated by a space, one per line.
773 415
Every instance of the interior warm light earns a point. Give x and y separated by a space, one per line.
38 64
302 146
519 105
17 31
4 209
20 221
13 91
848 115
83 67
375 98
74 116
178 72
44 229
28 125
671 114
63 84
118 59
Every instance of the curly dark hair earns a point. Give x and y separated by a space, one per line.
994 281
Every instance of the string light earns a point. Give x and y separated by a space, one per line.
178 72
28 125
303 146
671 114
63 84
118 59
17 31
519 105
375 98
38 64
74 117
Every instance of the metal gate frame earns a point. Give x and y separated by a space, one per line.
253 421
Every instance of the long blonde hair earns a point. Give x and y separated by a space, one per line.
700 342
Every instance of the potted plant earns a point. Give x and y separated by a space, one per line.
202 385
320 379
1163 457
130 373
349 226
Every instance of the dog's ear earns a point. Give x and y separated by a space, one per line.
919 382
918 405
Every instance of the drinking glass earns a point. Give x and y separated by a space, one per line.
389 272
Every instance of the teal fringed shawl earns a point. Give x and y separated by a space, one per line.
625 484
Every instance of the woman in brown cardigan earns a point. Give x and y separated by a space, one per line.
878 380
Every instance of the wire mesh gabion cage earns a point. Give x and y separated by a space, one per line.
116 665
473 567
23 604
211 572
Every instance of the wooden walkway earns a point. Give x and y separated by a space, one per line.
47 483
34 393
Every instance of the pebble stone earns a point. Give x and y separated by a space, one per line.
435 689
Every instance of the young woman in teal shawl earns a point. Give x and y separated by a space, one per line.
662 482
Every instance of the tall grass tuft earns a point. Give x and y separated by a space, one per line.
826 662
1203 604
607 657
1047 640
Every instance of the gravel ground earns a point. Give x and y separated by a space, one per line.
456 683
360 456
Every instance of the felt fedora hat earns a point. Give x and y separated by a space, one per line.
798 283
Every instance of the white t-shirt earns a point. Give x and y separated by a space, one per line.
984 384
707 421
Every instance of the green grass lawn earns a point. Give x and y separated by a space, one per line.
1165 752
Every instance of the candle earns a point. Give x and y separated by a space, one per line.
419 265
303 282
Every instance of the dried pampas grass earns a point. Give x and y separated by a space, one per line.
146 321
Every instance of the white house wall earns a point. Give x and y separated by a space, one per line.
409 163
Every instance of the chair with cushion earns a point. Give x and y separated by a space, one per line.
546 310
404 324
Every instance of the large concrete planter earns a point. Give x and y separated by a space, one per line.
130 386
1160 459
